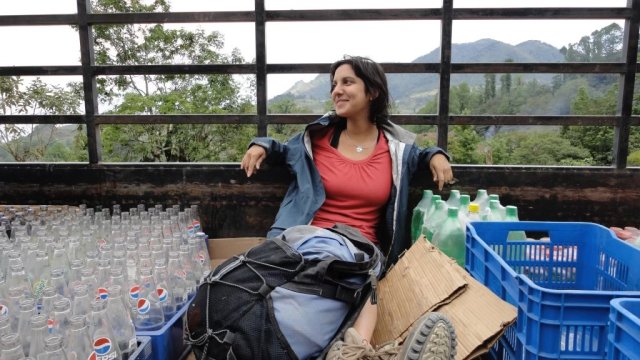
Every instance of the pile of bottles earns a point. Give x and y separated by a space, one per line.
76 283
443 223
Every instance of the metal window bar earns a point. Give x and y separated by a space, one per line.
84 20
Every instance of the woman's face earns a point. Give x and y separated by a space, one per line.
349 95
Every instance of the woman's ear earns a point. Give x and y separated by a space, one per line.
373 95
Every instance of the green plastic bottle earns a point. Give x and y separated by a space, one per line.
450 237
482 199
512 215
494 212
454 198
419 213
501 209
434 221
465 200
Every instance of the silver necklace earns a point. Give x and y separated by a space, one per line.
359 148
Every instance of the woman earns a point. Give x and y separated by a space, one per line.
352 166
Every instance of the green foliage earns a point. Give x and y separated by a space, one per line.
598 140
463 145
31 142
282 132
534 147
634 158
167 94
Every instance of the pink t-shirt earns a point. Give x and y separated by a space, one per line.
356 190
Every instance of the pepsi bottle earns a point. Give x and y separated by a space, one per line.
105 346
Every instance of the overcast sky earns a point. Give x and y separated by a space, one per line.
288 42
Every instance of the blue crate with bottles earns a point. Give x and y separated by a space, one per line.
86 281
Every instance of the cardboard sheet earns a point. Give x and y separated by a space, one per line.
479 316
419 282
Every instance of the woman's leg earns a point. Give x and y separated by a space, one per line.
366 321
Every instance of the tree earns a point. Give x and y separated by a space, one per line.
598 140
489 86
31 142
286 106
463 145
167 94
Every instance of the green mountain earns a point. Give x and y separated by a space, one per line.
411 92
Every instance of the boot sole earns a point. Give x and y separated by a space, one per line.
432 338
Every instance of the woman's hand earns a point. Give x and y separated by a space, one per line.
441 170
252 159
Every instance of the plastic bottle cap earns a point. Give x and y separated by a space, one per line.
474 207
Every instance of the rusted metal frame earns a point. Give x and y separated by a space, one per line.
88 80
40 70
540 68
177 119
174 69
41 119
172 17
261 67
627 84
541 13
420 119
38 20
324 68
543 120
354 14
445 73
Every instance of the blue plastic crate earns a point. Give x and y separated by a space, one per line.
144 349
167 342
624 329
562 287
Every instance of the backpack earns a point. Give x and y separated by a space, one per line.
285 298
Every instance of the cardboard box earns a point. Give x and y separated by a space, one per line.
223 248
424 280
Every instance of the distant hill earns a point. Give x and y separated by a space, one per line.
412 91
63 134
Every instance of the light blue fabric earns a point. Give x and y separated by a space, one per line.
309 322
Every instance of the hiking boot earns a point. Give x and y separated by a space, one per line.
431 338
353 347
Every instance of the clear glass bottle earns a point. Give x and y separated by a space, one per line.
11 347
102 336
5 324
81 301
27 310
61 315
59 260
53 349
178 279
37 335
18 279
164 289
121 323
78 344
149 315
49 295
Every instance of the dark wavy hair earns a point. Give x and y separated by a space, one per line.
375 82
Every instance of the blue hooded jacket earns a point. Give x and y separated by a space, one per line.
306 192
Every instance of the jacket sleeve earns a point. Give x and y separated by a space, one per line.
276 151
425 155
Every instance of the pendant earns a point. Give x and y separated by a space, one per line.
359 149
